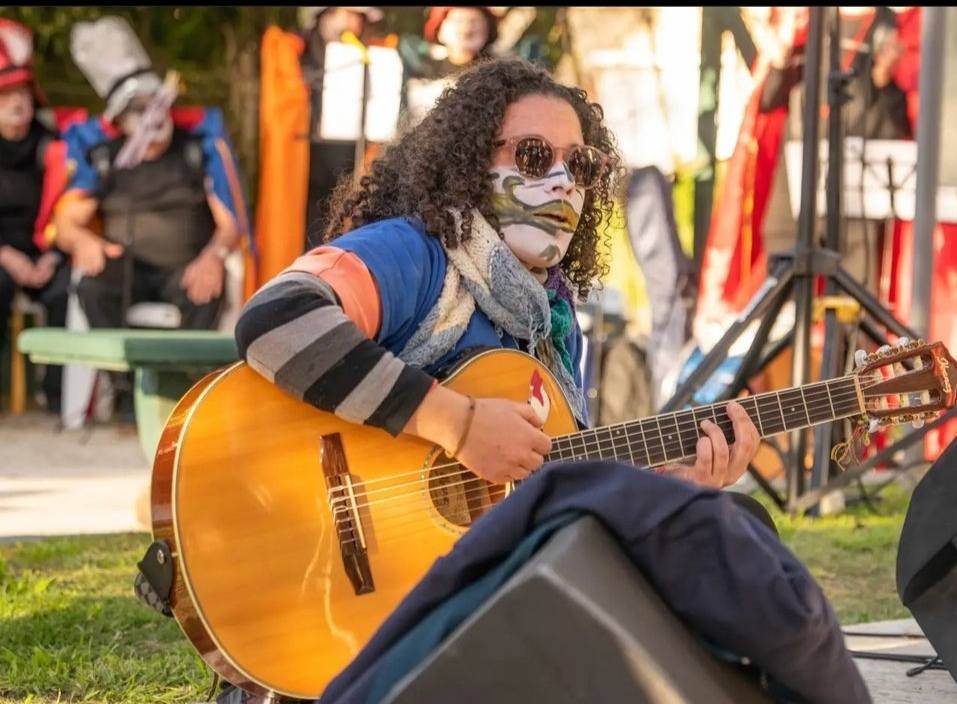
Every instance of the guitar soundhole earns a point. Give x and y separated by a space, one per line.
459 496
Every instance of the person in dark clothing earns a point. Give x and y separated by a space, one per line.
328 160
42 275
162 212
876 109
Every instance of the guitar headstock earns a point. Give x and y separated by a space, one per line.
907 383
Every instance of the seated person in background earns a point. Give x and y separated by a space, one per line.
453 39
178 213
24 140
328 160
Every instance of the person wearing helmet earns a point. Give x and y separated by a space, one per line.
25 262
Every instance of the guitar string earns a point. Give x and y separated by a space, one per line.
713 408
394 520
420 493
618 445
683 425
596 448
613 443
618 442
394 525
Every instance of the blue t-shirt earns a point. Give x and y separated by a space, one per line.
408 265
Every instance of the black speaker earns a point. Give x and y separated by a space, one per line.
578 623
927 557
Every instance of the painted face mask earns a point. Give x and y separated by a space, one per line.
537 217
160 131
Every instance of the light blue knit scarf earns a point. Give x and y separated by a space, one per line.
484 272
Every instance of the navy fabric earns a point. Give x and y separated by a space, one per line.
723 572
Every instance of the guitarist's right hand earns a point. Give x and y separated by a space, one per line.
504 441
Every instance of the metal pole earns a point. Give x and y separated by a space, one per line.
833 344
803 283
930 89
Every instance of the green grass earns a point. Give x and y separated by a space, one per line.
71 629
854 556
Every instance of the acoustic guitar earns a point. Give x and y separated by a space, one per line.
294 534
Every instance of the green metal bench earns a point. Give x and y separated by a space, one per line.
165 364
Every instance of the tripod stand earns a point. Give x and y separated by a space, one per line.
793 275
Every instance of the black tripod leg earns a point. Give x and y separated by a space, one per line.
748 367
776 286
872 305
874 332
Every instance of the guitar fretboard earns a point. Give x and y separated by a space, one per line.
673 436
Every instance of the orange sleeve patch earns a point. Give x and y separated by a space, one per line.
351 280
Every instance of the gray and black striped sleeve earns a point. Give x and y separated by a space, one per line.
294 333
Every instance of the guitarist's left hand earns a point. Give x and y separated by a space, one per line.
717 465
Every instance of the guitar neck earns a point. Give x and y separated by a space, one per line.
669 437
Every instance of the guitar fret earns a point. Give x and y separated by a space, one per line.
644 444
757 413
622 430
653 454
692 430
794 409
602 439
830 401
820 407
784 422
668 440
578 453
804 401
771 400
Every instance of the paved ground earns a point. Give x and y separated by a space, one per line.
68 482
887 681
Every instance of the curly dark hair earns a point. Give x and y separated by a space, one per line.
443 163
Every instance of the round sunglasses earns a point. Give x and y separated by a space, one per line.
534 157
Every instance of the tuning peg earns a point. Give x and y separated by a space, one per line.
860 358
918 423
873 425
884 350
903 342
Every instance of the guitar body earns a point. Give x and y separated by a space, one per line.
294 534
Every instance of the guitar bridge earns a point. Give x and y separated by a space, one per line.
345 514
